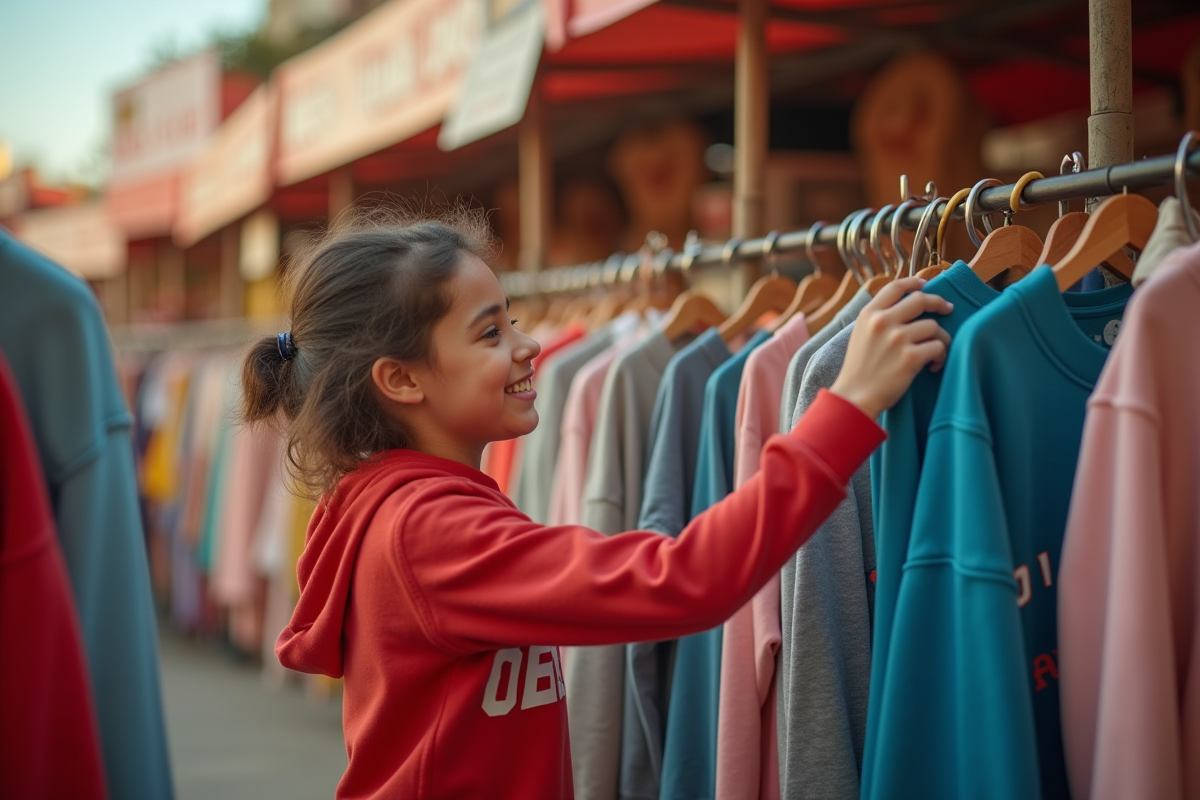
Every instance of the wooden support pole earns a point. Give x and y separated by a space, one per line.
534 184
750 133
1110 61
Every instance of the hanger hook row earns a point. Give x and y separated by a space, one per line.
1185 146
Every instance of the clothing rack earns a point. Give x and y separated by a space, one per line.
622 267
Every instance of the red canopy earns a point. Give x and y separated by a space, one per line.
1025 60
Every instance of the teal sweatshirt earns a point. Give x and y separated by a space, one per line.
690 751
970 703
895 468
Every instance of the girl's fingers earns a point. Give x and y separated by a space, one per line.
916 304
924 330
932 352
895 291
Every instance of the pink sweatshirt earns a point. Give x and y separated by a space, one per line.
747 750
1129 581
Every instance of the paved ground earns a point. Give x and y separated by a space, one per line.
233 737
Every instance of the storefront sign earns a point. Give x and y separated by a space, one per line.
496 89
232 176
162 122
393 74
80 238
159 126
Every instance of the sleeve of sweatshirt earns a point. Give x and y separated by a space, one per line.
482 573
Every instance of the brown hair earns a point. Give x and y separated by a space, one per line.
374 285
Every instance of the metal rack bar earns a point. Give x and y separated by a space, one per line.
1149 172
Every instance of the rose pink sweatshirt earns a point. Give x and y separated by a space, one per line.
747 747
1129 580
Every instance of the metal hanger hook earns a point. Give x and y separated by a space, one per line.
810 244
922 239
1077 164
854 245
691 249
730 250
876 237
770 243
1185 206
969 210
843 253
901 258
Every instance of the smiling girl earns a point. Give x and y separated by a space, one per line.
441 604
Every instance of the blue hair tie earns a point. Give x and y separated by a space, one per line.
287 348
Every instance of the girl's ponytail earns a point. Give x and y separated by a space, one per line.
268 382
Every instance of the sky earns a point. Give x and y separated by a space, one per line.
60 61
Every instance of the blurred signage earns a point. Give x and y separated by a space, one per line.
496 89
80 238
389 76
259 251
232 176
163 121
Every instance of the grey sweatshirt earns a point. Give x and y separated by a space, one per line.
827 599
612 500
795 372
666 508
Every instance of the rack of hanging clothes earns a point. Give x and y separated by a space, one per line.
223 528
922 642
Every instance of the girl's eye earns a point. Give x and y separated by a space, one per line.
513 322
491 333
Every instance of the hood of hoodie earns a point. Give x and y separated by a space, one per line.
312 641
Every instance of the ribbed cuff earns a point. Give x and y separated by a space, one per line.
839 433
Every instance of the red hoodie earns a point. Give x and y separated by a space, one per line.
443 605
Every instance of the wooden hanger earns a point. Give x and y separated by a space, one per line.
769 293
1012 246
814 290
825 314
1125 219
689 311
1062 236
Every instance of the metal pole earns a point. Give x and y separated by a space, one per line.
750 131
1142 174
1110 64
534 184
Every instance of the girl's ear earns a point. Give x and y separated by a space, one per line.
396 382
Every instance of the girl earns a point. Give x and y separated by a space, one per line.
441 604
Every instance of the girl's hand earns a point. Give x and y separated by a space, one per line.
889 346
